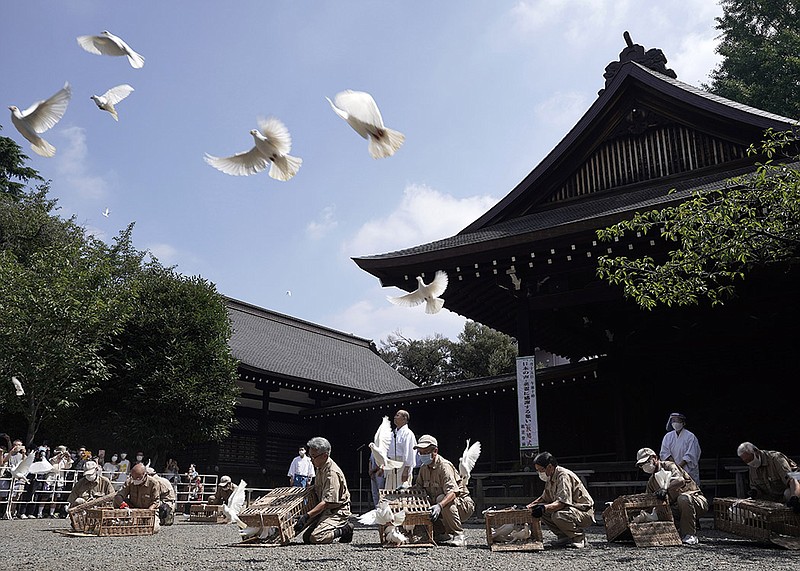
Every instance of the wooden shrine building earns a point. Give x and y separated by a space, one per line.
527 267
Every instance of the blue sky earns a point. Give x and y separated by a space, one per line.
482 91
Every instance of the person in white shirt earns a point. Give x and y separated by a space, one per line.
110 468
401 448
681 446
301 470
123 467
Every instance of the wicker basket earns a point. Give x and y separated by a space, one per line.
619 526
120 522
280 508
517 517
206 513
77 514
418 513
755 519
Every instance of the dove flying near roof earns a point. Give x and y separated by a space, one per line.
111 97
427 293
107 44
362 114
272 145
40 117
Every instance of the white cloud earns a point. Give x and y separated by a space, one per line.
562 110
423 215
166 254
695 58
326 222
72 166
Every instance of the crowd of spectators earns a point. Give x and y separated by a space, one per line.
42 490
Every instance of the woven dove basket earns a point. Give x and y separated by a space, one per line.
518 517
77 514
279 508
418 509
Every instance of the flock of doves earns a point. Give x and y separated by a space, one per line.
272 141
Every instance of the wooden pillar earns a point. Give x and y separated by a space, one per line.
263 425
525 345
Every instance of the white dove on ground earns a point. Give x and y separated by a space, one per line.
272 145
521 535
17 386
428 293
111 97
393 535
40 117
380 446
235 504
362 114
467 461
107 44
503 533
381 515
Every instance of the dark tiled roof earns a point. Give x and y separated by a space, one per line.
287 347
589 209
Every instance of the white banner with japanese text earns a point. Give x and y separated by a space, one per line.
526 398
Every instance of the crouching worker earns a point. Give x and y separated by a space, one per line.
330 518
167 495
685 499
565 506
447 494
142 491
222 493
93 485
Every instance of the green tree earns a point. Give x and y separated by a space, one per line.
422 361
12 166
760 47
719 235
174 378
483 352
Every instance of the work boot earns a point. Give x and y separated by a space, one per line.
560 541
577 542
442 538
459 540
347 533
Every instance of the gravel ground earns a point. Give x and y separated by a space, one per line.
32 544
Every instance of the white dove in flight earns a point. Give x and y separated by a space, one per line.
392 534
272 145
380 446
107 44
17 386
106 212
40 117
235 504
467 461
111 97
428 293
362 114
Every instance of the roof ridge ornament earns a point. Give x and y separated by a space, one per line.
653 59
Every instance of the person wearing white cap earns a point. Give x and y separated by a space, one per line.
92 485
681 446
683 495
224 490
450 501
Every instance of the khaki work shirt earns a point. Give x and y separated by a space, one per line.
87 490
331 487
440 477
566 487
771 478
676 473
144 496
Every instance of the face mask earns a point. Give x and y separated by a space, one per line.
91 477
755 462
114 458
138 482
649 467
425 459
139 458
123 456
543 476
302 454
677 426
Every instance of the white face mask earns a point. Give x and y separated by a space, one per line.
138 482
755 462
139 457
123 456
543 477
91 477
677 426
649 467
114 458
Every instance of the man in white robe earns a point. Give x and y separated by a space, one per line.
681 446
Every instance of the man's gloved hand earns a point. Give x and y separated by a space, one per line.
123 505
661 494
794 503
436 511
752 493
537 510
300 523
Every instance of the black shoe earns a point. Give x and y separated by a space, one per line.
347 533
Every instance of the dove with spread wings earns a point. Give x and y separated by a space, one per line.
361 112
425 293
40 117
107 44
467 461
380 446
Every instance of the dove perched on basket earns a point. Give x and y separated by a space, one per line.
425 293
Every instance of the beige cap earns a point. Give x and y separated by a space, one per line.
425 441
89 468
643 455
224 480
